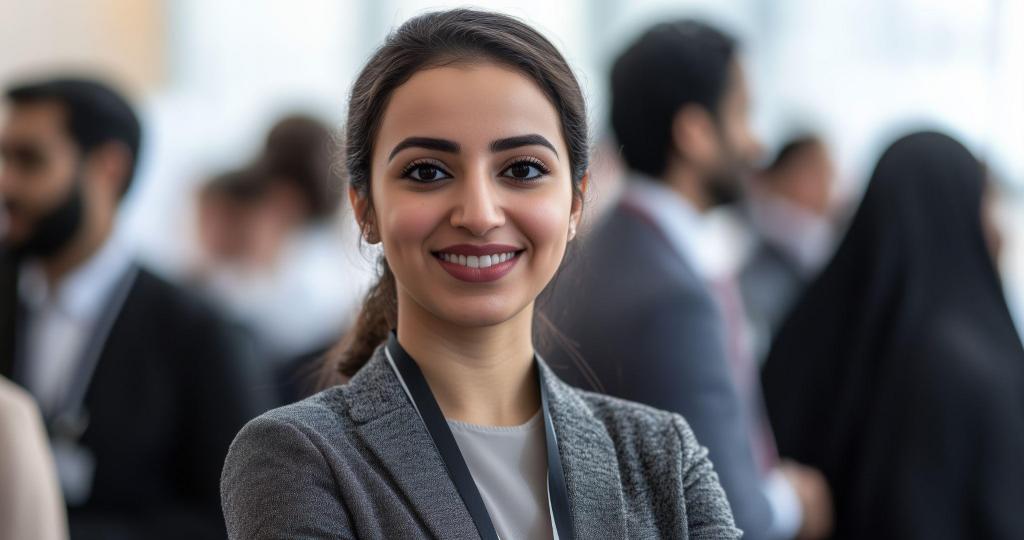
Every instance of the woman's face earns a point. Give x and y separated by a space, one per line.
471 193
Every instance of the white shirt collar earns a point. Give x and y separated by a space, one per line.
83 292
677 217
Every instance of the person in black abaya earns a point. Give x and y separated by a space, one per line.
900 374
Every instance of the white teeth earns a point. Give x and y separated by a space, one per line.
474 261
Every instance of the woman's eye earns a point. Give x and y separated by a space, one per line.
425 172
524 170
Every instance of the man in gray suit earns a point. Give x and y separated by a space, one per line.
633 301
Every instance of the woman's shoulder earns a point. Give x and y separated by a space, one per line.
637 426
660 461
327 417
313 428
286 462
320 413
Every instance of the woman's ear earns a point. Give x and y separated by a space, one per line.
364 215
576 211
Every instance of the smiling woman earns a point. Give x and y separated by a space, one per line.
466 152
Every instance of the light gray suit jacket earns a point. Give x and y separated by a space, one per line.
355 461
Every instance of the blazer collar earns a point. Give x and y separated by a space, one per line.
385 416
589 461
391 428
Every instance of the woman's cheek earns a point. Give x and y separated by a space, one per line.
407 221
545 222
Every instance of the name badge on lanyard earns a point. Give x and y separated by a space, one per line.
415 385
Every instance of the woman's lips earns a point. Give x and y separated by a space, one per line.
478 264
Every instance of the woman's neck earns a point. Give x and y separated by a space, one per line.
484 376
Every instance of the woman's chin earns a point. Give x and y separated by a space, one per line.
479 314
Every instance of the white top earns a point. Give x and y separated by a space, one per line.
673 214
61 320
509 466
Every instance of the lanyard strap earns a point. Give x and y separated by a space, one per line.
558 495
423 400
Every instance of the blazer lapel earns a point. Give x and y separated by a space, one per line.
588 461
393 431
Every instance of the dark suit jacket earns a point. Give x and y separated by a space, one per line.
646 328
356 461
170 390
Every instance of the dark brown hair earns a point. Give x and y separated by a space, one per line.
427 41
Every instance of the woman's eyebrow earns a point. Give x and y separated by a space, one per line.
509 143
441 145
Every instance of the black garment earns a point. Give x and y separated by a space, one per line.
900 374
171 389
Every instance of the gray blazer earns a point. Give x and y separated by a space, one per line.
355 461
647 330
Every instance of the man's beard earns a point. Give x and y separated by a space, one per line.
723 187
724 184
55 230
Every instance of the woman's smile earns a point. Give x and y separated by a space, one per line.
478 263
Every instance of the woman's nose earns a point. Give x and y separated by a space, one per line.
478 208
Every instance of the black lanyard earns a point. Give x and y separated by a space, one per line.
437 426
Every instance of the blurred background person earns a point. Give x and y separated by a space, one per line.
142 387
637 300
226 215
31 506
789 212
264 238
900 373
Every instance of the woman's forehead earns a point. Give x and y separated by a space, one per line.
472 104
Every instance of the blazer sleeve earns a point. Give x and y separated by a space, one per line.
277 484
707 510
676 362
